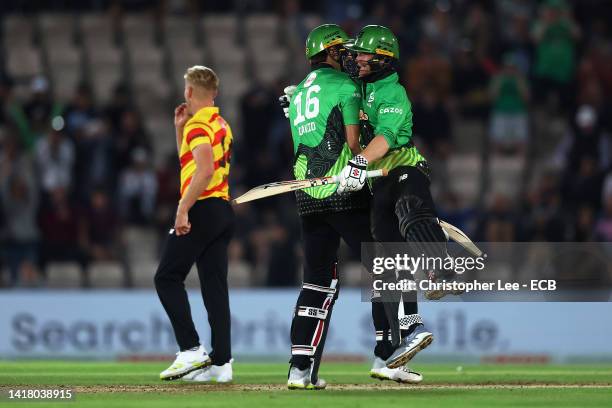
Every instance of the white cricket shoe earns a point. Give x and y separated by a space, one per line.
401 374
186 362
300 380
222 374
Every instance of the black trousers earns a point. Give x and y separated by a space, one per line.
321 234
401 181
212 223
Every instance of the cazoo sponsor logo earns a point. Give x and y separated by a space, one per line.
391 110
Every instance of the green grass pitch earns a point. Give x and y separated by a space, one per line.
111 384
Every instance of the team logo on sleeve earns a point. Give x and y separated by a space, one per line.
370 100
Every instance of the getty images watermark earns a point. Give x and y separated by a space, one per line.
400 264
412 264
505 271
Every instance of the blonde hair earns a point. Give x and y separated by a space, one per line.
203 77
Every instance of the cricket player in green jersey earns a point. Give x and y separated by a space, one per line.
402 208
323 113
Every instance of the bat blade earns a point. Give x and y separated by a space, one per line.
280 187
461 238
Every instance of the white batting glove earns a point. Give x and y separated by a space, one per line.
285 100
353 176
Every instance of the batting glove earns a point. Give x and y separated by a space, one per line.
353 176
285 100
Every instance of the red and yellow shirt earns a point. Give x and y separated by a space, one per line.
207 127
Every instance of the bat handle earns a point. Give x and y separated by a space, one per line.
369 174
377 173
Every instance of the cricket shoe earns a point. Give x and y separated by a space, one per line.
300 380
212 374
410 345
437 294
320 385
186 362
401 374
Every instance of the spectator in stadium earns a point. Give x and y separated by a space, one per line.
478 28
6 99
246 224
131 136
63 238
282 260
13 159
55 156
34 121
498 222
518 42
80 111
138 190
470 80
94 159
432 127
555 35
509 97
583 229
584 186
455 211
596 65
587 138
19 199
294 31
103 233
541 219
118 105
259 110
438 27
167 195
428 70
603 227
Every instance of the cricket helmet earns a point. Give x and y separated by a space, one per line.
323 37
375 39
372 39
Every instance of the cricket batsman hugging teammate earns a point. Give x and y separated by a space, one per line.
350 115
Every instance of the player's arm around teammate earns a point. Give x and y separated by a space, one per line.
323 112
202 231
402 209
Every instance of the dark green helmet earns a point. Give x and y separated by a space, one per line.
375 39
323 37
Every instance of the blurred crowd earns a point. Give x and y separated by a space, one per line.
71 175
74 175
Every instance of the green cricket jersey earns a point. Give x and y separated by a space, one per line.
323 103
389 113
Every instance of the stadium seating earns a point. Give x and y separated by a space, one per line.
63 275
150 57
106 275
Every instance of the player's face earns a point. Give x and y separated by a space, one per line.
362 61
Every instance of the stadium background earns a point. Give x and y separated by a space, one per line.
89 172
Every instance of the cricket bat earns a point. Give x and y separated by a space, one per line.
459 237
280 187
